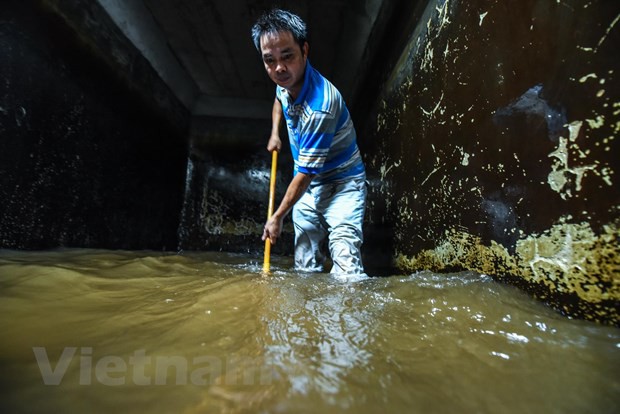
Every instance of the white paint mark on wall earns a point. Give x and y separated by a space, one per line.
596 123
434 27
482 16
429 176
443 14
432 112
588 76
602 39
20 115
585 49
611 26
383 170
573 129
563 178
465 160
464 157
427 62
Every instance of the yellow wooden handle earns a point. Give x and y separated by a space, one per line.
272 196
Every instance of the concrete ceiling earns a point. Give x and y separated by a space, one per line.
203 51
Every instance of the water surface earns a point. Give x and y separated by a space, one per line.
133 332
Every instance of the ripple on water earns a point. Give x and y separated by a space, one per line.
287 342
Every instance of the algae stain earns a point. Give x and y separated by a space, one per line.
567 259
571 258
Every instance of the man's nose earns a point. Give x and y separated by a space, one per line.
280 67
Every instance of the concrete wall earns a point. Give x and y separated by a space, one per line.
85 161
493 148
227 187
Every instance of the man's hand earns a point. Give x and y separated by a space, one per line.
297 187
275 143
273 229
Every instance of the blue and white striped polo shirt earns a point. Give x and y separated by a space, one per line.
321 132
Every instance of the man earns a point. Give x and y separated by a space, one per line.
328 192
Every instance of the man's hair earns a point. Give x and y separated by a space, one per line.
277 20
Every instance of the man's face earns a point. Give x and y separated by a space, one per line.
284 60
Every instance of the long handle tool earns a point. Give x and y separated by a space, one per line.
272 196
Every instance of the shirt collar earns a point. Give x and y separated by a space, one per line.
304 89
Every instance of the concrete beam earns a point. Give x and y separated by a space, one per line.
232 107
136 22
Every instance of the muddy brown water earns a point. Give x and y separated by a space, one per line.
90 331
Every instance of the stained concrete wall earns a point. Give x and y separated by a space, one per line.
493 148
227 186
85 160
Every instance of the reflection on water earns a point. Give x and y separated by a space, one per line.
97 331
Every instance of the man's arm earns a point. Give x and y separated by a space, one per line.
295 190
276 119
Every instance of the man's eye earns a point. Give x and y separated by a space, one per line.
287 57
268 61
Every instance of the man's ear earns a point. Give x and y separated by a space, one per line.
305 49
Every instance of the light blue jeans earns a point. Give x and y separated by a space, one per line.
331 214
